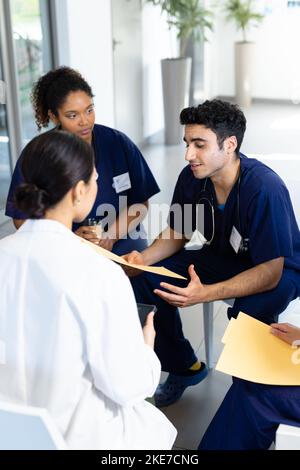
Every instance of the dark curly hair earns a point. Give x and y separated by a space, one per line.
223 118
51 90
52 164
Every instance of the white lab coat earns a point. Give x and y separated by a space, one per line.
72 342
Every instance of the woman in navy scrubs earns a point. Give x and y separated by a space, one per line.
63 97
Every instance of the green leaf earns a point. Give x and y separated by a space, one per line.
189 17
241 12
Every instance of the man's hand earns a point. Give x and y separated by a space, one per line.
194 293
289 333
135 257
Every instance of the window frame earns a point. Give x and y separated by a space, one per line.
10 75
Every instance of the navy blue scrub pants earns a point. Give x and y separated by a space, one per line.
174 351
250 415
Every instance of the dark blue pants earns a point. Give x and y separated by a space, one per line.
250 415
174 351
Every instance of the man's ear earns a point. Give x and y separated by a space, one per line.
53 118
230 144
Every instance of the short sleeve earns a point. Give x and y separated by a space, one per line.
17 178
270 225
143 183
182 216
175 217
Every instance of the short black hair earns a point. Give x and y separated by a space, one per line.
52 89
52 164
223 118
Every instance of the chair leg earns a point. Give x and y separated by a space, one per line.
208 318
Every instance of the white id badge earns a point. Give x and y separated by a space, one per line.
235 239
121 182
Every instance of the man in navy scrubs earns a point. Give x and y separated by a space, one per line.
252 249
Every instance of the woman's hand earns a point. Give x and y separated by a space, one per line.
93 235
289 333
135 257
149 331
88 233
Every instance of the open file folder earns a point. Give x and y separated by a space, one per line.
118 259
252 353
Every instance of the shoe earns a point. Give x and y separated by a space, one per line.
172 389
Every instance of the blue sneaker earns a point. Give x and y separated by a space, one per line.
172 389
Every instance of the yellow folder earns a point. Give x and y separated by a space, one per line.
118 259
252 353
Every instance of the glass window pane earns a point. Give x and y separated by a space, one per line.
5 168
30 24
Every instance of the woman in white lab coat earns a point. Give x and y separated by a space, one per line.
71 337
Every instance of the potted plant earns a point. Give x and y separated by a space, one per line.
191 20
243 14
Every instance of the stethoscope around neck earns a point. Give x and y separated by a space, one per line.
244 246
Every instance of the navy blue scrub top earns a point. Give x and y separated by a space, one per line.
259 206
115 154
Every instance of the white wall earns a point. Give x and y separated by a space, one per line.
87 26
84 29
89 38
277 64
158 43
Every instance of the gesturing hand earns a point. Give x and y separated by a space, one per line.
194 293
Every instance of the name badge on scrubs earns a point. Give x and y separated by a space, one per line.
121 182
235 239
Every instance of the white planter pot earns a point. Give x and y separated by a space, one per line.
176 78
244 59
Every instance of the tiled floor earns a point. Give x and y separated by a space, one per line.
272 129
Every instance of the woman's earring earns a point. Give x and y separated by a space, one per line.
77 202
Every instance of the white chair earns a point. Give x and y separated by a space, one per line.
28 428
208 325
290 315
287 438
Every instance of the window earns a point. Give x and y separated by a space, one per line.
5 166
30 24
25 54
